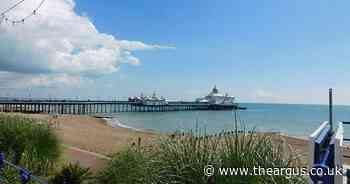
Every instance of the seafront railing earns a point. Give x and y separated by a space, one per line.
325 154
25 176
346 123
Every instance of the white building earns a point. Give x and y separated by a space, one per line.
215 98
149 100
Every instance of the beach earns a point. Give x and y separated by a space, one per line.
89 140
92 141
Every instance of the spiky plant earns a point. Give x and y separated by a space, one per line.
72 174
182 158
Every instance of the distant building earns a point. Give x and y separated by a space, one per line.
215 98
149 100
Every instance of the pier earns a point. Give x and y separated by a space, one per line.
94 107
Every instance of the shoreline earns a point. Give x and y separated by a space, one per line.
86 137
116 123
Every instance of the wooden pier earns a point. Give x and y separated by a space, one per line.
95 107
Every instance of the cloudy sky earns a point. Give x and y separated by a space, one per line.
259 51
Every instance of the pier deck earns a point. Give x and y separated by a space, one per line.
93 107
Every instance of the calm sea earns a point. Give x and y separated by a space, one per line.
294 120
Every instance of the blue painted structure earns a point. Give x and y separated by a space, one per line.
24 175
323 158
326 155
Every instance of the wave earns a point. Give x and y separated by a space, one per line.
115 123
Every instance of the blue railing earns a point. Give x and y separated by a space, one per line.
323 154
24 175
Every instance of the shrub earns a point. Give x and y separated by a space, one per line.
247 150
29 144
130 166
72 174
10 175
182 158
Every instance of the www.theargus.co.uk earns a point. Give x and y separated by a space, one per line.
210 170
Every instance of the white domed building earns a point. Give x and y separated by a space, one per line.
216 98
149 100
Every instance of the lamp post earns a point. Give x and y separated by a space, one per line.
331 108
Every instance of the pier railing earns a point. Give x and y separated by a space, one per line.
96 107
25 176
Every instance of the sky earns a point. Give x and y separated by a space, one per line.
259 51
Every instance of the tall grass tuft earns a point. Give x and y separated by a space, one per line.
130 166
28 143
249 150
181 159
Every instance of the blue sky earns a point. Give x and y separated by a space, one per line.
259 51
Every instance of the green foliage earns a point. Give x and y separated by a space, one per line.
182 158
247 150
10 175
178 159
127 167
72 174
27 143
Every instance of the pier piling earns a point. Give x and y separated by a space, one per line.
94 107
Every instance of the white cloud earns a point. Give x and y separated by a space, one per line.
11 80
136 45
60 45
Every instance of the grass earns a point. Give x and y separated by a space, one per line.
29 144
176 159
181 159
128 167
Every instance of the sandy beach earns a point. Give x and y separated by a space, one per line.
91 141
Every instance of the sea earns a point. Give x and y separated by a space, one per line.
290 119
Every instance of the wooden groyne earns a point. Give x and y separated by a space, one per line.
93 107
